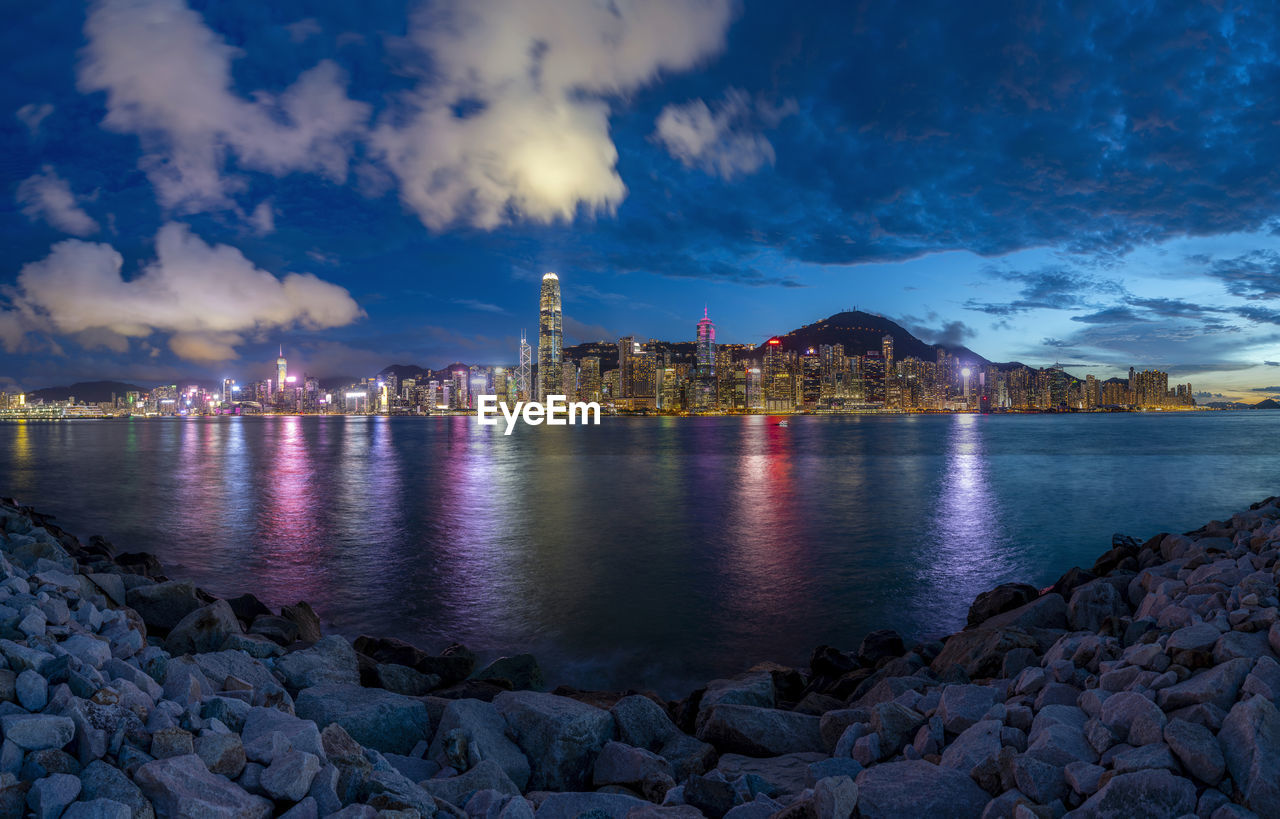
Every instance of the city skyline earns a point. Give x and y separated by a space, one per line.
190 185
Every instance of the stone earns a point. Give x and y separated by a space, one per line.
373 717
831 767
1040 780
1083 777
99 780
593 805
754 688
1233 644
976 743
32 690
163 605
979 653
486 775
962 706
452 666
835 797
1048 611
918 788
1150 794
1250 742
255 645
1005 597
1092 603
1029 681
1144 757
39 764
183 786
878 645
1133 718
642 722
1218 685
278 630
401 679
301 734
1196 637
788 774
289 775
756 731
51 795
620 764
221 753
560 737
172 741
486 737
521 671
226 669
305 618
35 732
98 809
688 755
1197 749
833 724
204 629
332 660
713 796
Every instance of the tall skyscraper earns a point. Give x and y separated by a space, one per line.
524 373
550 337
281 371
705 374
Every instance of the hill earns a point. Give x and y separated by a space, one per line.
861 332
1267 403
90 391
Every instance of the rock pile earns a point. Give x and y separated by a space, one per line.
1147 685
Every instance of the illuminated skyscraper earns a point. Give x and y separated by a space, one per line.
550 337
281 370
705 374
524 373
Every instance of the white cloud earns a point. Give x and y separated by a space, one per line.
167 78
512 120
32 114
48 196
722 138
263 218
206 298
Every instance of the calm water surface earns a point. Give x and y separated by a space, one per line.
642 552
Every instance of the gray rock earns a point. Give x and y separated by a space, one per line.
99 780
687 755
221 753
642 722
980 653
835 797
1198 750
401 679
1145 757
1233 644
171 741
620 764
330 661
594 805
485 733
755 689
220 667
963 705
1040 780
1153 794
32 690
561 737
306 809
1250 740
255 645
486 775
289 775
1084 778
1196 637
1092 603
49 796
1218 685
204 629
34 732
976 743
302 734
917 788
1133 718
833 724
521 671
787 773
1046 611
755 731
163 605
183 786
98 809
831 767
373 717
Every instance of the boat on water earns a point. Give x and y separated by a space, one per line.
783 423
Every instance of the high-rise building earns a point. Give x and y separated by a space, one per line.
569 380
524 372
281 371
589 378
705 374
550 337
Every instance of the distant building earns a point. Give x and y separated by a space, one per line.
550 336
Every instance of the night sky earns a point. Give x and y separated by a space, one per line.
190 184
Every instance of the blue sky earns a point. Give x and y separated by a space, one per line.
190 184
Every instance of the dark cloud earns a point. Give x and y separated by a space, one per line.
934 330
1265 389
1049 288
1272 363
1254 275
1110 315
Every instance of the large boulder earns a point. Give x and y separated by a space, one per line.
220 667
1133 718
964 705
302 734
163 605
1250 739
331 660
378 719
595 805
979 741
904 790
561 737
756 731
1197 749
183 786
486 775
35 732
980 653
1218 685
99 780
453 665
787 774
1149 794
476 730
1046 611
1092 603
1005 597
879 644
204 629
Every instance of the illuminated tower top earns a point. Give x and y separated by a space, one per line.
281 369
550 336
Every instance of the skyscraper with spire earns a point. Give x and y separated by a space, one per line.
282 370
705 369
524 380
550 337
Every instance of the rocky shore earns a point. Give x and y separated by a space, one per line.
1147 685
